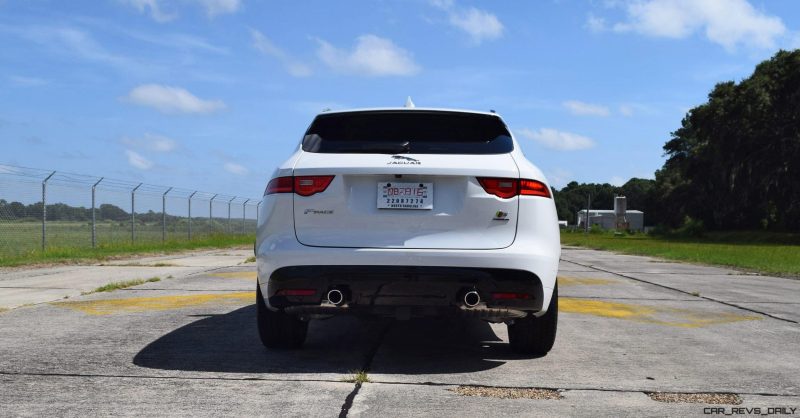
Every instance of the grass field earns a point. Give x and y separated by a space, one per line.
754 251
20 242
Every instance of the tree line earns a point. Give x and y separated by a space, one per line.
16 211
733 164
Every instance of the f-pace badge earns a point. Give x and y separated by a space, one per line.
500 216
318 212
399 159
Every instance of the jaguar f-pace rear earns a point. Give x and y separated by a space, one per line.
408 213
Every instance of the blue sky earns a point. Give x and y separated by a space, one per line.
213 94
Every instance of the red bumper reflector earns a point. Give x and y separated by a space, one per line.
296 292
510 295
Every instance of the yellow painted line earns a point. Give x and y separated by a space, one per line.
583 281
156 303
684 318
247 275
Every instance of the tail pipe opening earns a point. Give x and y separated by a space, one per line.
472 299
336 297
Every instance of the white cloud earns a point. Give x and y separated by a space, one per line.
157 8
585 109
152 142
479 24
559 177
137 160
794 41
265 46
23 81
558 140
595 24
626 110
617 181
218 7
442 4
71 42
728 23
167 99
179 41
161 143
154 8
234 168
372 56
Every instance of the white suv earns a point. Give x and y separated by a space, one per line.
407 213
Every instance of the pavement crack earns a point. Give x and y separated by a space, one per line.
733 305
133 376
581 388
634 298
36 288
348 401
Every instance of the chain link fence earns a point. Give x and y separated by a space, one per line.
42 209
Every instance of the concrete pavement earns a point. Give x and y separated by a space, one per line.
628 326
21 286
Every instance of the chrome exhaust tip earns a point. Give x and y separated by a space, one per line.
472 299
335 296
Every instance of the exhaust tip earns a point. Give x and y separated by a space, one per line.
472 299
335 296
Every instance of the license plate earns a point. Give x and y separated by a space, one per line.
393 195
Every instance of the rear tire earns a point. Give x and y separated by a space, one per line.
277 329
532 335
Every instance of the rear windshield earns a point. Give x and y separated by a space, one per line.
408 131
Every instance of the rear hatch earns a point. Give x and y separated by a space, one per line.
406 179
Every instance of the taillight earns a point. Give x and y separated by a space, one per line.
302 185
308 185
506 188
533 188
280 185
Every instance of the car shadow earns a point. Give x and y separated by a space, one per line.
229 343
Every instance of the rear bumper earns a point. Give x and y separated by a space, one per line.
289 264
405 291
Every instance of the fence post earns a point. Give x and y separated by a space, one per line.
210 217
229 214
190 213
588 207
244 213
164 216
94 230
258 205
133 211
44 209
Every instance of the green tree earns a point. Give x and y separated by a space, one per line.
735 161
